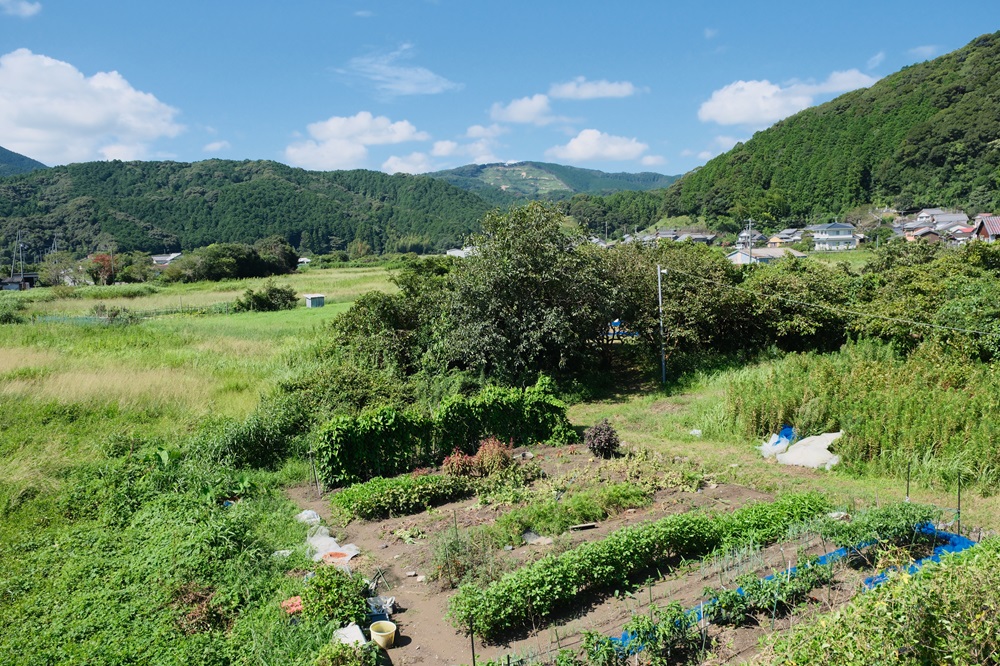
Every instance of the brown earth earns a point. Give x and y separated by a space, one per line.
426 637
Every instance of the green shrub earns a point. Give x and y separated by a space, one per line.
602 439
269 298
385 498
335 596
387 441
11 311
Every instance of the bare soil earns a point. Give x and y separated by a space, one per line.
426 637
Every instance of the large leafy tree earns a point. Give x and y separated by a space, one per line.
529 300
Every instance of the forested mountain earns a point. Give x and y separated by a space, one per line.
168 206
521 181
12 163
928 135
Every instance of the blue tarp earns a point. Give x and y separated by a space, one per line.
628 643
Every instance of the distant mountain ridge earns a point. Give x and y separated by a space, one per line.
510 182
169 206
928 135
12 163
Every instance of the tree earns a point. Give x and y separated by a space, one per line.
529 299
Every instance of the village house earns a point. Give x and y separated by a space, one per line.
987 228
763 255
833 237
785 237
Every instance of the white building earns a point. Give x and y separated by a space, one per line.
834 237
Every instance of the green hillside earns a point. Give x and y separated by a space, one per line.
12 163
165 206
505 183
928 135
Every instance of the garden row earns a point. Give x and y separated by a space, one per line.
540 590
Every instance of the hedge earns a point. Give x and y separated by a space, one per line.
388 441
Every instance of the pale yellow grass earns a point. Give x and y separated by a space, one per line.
18 358
133 387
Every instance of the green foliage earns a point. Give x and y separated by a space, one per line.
921 137
933 410
387 441
11 311
891 525
602 439
335 596
232 261
941 615
269 298
341 654
776 596
528 300
165 206
401 496
540 590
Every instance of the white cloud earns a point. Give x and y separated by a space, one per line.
216 146
534 110
481 132
444 148
711 33
705 155
364 13
760 103
21 8
876 60
341 142
590 144
394 79
927 51
581 88
724 143
653 160
51 112
412 163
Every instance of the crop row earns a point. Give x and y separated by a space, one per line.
539 590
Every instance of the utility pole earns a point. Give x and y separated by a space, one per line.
663 348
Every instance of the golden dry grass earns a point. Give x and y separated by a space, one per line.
18 358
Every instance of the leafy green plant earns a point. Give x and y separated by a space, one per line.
335 596
602 439
269 298
400 496
541 589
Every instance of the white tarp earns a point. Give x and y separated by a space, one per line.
812 452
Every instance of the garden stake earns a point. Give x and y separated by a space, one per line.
958 515
472 639
908 481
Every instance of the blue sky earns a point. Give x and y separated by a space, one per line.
420 85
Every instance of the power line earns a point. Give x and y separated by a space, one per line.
830 308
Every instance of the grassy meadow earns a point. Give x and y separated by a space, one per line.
66 386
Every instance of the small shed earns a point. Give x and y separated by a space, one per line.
315 300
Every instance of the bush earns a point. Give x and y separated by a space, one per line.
493 457
401 496
335 596
10 312
269 298
602 439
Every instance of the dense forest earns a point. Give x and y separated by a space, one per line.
169 206
523 181
928 135
12 163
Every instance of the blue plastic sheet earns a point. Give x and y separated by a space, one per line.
629 643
